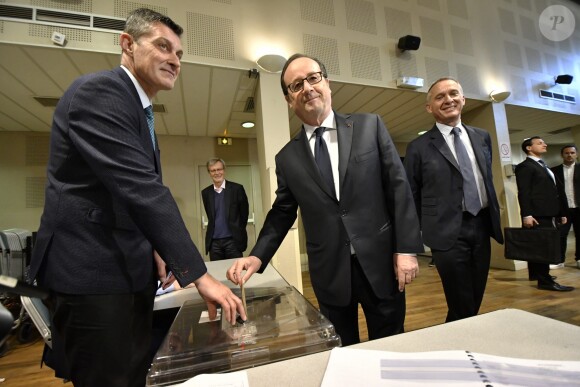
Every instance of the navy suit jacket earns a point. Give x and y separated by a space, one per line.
236 209
437 185
538 195
375 212
106 208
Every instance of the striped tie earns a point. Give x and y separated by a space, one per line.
150 123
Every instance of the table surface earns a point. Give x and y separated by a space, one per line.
507 332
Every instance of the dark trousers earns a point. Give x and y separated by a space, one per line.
105 339
224 248
541 271
464 268
384 316
573 220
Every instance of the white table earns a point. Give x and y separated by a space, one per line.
507 332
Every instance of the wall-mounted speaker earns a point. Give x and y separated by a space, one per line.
409 42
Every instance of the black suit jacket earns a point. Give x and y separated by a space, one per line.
538 195
437 185
559 173
106 208
236 208
375 213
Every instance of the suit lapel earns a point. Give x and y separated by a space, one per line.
345 128
440 144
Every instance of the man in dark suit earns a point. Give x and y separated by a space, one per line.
226 206
449 169
108 219
362 232
568 181
541 204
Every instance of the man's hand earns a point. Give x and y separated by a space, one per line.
529 222
406 269
215 293
250 264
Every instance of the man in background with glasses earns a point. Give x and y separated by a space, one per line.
227 214
362 231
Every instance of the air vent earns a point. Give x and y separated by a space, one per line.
11 12
44 15
47 101
249 108
557 96
108 24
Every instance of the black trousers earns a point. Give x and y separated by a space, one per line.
104 339
384 316
573 220
541 271
464 268
224 248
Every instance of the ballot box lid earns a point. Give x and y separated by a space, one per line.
281 325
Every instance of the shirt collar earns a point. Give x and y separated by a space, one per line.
222 186
328 123
446 129
145 101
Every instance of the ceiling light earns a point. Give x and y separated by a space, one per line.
422 132
271 63
224 141
248 124
499 96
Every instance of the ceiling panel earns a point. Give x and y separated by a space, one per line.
210 101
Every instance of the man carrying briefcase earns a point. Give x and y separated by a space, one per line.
541 205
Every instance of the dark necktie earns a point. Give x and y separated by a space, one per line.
150 123
543 164
322 159
470 193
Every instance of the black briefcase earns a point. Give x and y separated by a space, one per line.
540 245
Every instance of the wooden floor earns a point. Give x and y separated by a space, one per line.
425 307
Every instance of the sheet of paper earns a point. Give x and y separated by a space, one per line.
231 379
348 366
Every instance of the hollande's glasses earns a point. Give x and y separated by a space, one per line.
312 79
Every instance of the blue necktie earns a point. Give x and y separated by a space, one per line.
470 192
150 123
322 158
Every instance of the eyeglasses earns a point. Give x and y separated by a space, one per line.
216 170
312 79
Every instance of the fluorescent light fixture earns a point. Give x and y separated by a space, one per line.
248 124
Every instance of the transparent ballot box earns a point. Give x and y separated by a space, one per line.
281 324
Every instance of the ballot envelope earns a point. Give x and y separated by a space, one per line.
281 324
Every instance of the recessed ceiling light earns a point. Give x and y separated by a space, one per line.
247 124
422 132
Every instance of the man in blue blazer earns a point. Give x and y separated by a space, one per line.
362 231
109 223
459 239
226 206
